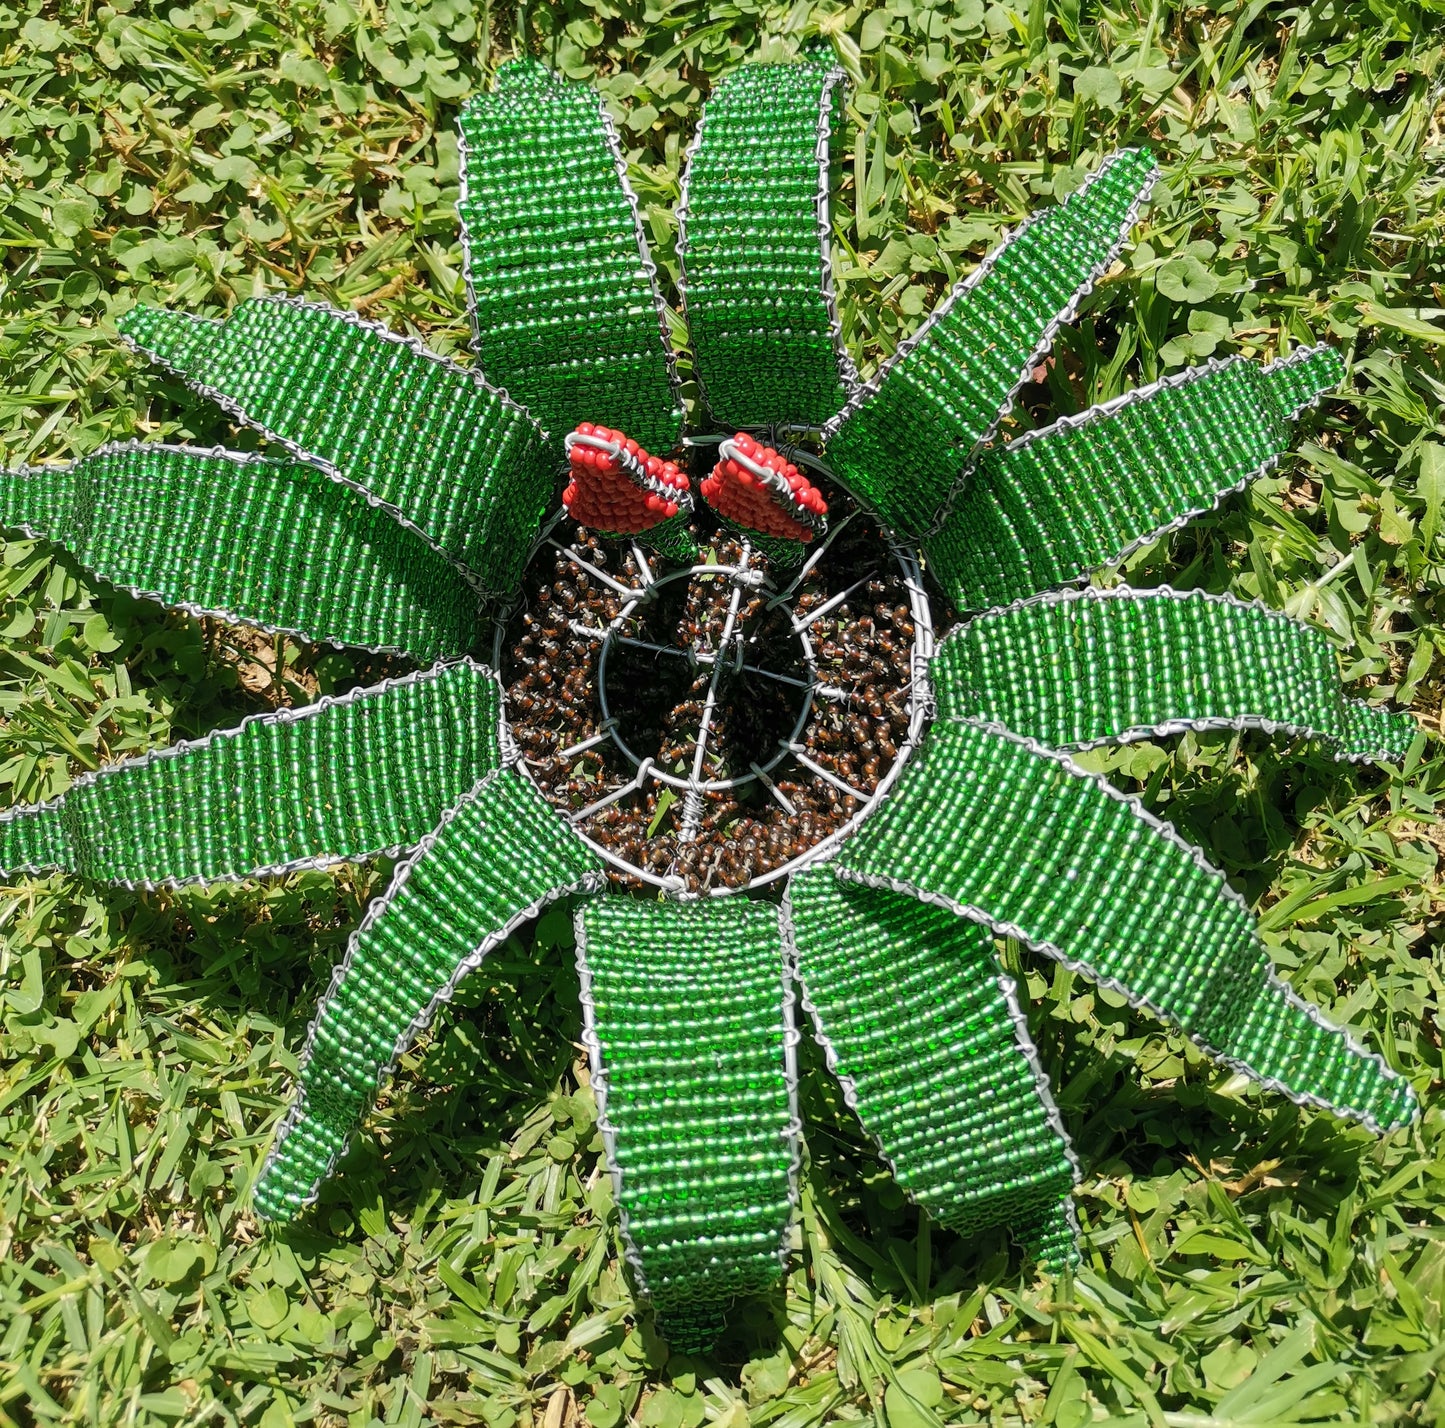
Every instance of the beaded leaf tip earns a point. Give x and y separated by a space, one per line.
698 700
619 489
763 493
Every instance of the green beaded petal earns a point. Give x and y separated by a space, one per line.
272 544
925 1034
753 245
1090 667
566 310
906 439
1014 836
415 483
498 856
1090 489
425 440
689 1025
346 778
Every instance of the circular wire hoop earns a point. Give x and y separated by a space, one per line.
744 577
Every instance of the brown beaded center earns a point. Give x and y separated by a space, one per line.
706 726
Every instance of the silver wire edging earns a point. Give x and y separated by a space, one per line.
233 408
1022 1039
589 883
599 1080
597 1074
846 371
613 144
636 472
1046 340
649 266
1185 377
290 715
1239 487
1029 1050
600 1083
869 389
683 212
847 368
1339 749
1226 891
1300 355
792 1037
464 174
728 450
187 607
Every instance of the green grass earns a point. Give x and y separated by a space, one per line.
1246 1263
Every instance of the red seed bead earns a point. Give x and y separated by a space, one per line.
609 493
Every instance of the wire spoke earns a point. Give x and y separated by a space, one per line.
799 753
734 594
644 570
604 731
692 799
655 648
833 603
781 678
783 800
636 781
809 565
627 591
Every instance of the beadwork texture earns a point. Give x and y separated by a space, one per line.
757 280
1085 492
565 307
406 487
925 1032
1104 666
369 773
689 1030
450 456
905 440
498 855
161 522
1013 836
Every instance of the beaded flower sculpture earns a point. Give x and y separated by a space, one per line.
716 676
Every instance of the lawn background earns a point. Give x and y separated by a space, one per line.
1245 1262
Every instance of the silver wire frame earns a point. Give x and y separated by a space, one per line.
693 786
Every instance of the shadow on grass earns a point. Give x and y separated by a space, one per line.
506 1053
